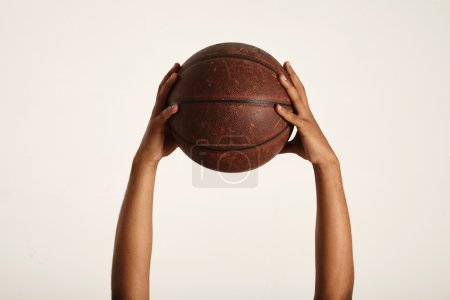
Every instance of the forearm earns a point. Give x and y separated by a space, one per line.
133 244
334 258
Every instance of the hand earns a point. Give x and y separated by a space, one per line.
157 141
309 142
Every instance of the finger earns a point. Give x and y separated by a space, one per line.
176 67
161 102
169 141
161 98
165 89
165 115
289 147
287 115
296 81
294 146
292 92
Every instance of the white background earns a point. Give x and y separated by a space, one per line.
77 84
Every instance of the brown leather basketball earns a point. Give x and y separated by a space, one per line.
226 119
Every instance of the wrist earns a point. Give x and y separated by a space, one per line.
142 161
331 162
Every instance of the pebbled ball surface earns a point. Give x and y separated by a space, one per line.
226 119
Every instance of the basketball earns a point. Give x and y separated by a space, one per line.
226 119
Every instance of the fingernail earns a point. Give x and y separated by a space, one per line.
279 106
173 106
283 77
288 64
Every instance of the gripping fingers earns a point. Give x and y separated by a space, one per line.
165 115
292 92
163 93
176 67
296 81
287 115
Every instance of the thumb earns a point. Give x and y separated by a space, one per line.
294 146
289 147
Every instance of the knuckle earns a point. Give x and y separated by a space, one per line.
293 117
154 122
292 91
305 119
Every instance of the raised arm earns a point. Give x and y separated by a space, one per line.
133 244
334 257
